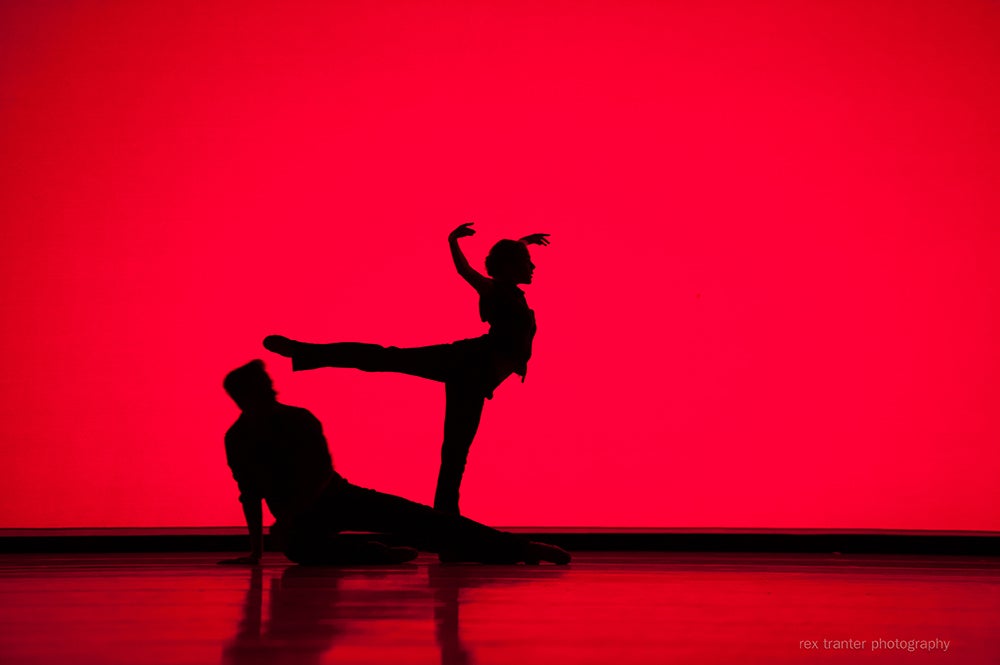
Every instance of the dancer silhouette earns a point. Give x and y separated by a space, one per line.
278 454
471 369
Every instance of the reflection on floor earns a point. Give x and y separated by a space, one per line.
604 609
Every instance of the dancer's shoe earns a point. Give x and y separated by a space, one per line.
280 345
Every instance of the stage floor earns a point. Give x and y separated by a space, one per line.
603 609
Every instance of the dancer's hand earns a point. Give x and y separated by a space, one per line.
462 231
536 239
250 560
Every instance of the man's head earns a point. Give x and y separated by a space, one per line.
250 386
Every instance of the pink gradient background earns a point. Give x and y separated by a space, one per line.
770 299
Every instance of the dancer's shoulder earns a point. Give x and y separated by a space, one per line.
297 413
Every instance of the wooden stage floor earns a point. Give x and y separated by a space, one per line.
605 608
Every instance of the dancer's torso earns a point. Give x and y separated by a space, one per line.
512 324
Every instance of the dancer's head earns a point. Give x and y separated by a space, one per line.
250 386
510 261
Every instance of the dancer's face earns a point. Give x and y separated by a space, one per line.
521 269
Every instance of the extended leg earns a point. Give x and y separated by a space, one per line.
463 410
429 362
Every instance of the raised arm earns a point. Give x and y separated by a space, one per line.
478 281
536 239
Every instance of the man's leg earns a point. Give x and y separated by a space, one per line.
462 413
355 508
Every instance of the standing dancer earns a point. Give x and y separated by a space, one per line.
471 369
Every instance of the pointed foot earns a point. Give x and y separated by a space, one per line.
280 345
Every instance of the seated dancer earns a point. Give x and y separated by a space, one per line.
278 454
471 369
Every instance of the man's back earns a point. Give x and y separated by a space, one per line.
280 455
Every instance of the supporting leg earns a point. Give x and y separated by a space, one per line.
463 410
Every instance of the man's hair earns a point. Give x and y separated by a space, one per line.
249 383
503 254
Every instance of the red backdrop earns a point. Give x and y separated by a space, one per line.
770 298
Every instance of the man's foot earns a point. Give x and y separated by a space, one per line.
280 345
538 552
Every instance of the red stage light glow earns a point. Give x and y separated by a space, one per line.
770 298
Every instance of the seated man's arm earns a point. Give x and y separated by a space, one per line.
254 515
251 501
